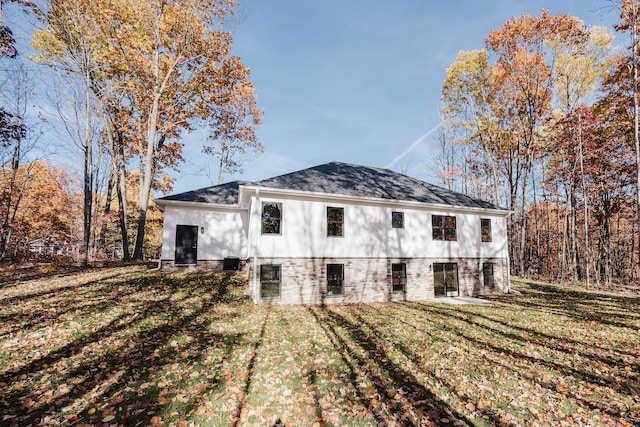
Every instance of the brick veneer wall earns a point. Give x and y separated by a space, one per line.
303 280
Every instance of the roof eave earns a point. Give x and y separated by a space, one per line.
182 203
376 200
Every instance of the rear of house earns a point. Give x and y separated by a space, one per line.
340 233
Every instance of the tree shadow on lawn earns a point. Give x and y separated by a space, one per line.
84 298
366 357
549 373
581 304
363 313
122 371
11 275
242 401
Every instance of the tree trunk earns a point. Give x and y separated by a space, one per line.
116 148
605 243
636 113
108 199
524 224
88 202
586 204
121 192
88 175
573 242
5 231
147 178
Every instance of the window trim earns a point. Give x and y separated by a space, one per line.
279 220
330 222
489 237
403 277
440 232
279 281
401 215
341 294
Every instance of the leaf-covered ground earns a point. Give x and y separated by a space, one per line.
133 347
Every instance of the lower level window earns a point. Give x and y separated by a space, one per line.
399 277
487 273
335 279
269 281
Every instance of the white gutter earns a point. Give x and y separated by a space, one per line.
373 200
199 205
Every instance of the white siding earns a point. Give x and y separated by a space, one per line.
368 232
224 233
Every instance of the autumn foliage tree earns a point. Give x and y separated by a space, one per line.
505 105
523 87
168 63
8 47
607 172
630 24
525 115
19 134
468 98
47 208
178 69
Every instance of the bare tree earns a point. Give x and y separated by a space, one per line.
18 138
79 116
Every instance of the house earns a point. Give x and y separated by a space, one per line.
340 233
44 245
50 246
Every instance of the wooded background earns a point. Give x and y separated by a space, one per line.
543 121
134 76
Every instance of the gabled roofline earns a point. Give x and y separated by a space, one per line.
246 190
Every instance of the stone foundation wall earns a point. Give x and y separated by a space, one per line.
303 280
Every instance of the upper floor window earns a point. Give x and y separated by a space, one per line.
485 229
271 217
335 222
444 227
397 219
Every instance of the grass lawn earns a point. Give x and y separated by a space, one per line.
133 347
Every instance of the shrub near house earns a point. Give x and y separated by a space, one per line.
339 233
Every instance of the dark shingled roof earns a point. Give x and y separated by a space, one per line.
224 194
344 179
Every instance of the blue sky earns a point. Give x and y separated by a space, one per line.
359 81
356 81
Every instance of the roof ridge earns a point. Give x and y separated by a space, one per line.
345 179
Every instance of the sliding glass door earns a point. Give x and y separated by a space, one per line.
445 279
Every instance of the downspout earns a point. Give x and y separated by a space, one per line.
251 251
255 259
159 264
506 243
